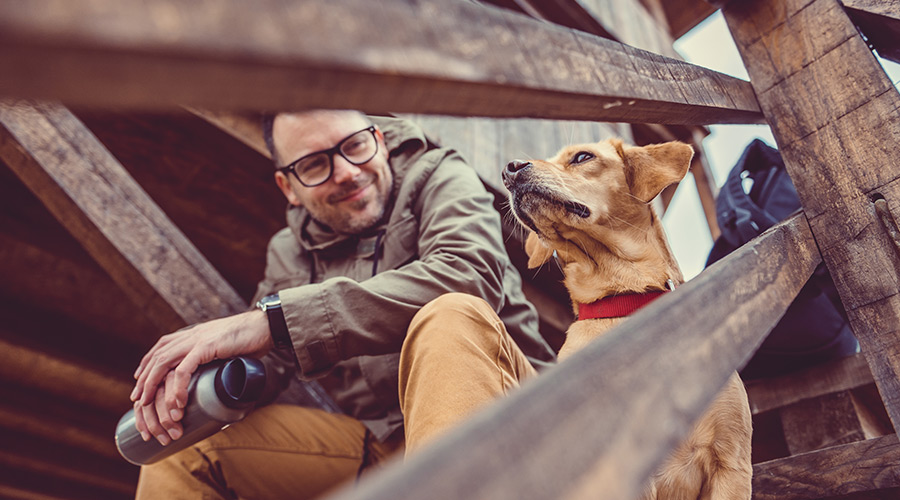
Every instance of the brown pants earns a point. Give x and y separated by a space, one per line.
457 357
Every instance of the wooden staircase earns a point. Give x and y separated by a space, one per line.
596 425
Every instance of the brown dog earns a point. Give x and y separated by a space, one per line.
590 206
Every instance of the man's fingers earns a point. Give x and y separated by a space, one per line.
139 423
172 428
153 425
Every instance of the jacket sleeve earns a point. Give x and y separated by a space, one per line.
460 249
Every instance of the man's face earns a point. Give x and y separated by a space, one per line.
355 196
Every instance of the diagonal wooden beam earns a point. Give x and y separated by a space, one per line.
95 198
583 418
861 470
833 112
879 20
456 58
119 225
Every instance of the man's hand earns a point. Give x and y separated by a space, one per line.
164 373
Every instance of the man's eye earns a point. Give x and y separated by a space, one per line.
581 157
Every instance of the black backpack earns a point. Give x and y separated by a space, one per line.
815 328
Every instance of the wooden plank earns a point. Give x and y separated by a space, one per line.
64 379
466 61
821 422
586 415
833 112
118 224
20 483
244 127
58 461
862 470
93 196
839 375
879 20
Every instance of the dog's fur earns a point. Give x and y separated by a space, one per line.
590 206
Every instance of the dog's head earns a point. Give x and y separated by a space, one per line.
588 192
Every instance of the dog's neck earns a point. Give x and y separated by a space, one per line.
633 259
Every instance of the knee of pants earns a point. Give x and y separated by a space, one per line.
451 318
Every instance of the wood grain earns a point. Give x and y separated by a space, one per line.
834 376
833 112
458 58
821 422
879 20
862 470
119 225
607 416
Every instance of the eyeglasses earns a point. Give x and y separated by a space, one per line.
316 168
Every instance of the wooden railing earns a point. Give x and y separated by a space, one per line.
598 424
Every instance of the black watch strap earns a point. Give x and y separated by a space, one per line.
271 305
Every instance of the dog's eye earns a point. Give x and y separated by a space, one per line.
581 157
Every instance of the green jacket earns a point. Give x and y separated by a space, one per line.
348 300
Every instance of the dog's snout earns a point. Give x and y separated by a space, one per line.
516 165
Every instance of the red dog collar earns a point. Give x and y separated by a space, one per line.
617 306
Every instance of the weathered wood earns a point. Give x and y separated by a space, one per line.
706 185
90 193
821 422
243 127
870 410
879 20
52 458
65 379
20 483
607 416
833 112
862 470
834 376
683 15
458 58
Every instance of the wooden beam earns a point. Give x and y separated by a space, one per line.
834 376
862 470
394 56
90 193
58 461
585 415
833 112
93 196
879 20
63 379
244 127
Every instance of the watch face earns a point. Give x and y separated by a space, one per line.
269 301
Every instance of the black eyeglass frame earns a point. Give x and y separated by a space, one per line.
330 152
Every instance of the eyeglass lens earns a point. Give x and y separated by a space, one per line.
356 149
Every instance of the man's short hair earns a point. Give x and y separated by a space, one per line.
268 121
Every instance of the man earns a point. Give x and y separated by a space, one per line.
380 223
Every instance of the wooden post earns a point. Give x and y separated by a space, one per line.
834 114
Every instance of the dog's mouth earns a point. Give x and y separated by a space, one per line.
523 209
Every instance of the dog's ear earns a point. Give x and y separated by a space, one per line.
537 251
650 169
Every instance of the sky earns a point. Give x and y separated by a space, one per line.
709 44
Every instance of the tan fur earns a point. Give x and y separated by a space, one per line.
620 247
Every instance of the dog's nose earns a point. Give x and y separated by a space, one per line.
516 165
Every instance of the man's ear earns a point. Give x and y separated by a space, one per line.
284 184
650 169
537 251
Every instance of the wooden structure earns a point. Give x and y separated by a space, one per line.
117 227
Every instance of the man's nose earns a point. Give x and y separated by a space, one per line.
343 170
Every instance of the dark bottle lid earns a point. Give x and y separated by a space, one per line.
240 382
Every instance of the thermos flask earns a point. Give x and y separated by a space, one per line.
219 394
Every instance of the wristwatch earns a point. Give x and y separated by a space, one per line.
271 305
